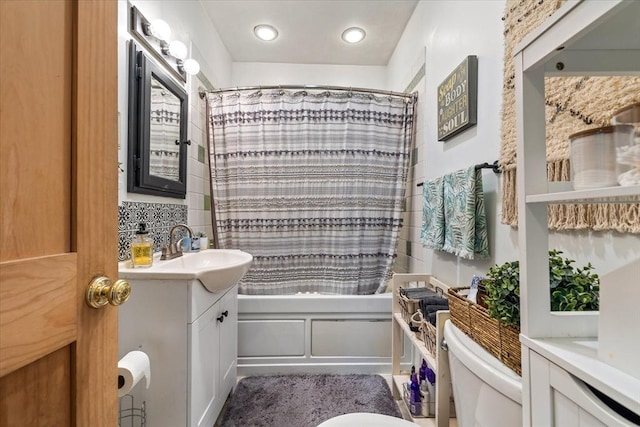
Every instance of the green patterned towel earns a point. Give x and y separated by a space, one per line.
465 230
432 232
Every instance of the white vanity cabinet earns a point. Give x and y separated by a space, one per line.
211 379
190 336
228 345
560 364
567 401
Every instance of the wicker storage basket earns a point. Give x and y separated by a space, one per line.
414 323
501 341
460 309
428 334
408 306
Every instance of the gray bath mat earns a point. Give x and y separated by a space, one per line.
305 400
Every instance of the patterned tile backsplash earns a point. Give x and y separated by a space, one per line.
159 217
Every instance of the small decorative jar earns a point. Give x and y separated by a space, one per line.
593 158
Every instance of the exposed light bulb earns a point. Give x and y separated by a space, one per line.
160 29
191 66
178 49
353 35
265 32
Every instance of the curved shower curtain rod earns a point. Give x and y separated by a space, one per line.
312 87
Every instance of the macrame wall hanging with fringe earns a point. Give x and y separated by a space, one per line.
573 104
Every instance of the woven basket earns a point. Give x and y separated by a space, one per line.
500 340
460 309
503 342
427 334
407 306
414 323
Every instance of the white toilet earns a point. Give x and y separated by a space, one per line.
361 419
486 392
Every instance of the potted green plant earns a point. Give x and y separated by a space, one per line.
571 288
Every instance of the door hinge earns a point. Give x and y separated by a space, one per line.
138 163
139 72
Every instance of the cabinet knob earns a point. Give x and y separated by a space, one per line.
220 319
225 313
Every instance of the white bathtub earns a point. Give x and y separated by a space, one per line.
314 334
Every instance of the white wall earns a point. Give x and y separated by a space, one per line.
263 73
475 30
444 33
439 34
190 25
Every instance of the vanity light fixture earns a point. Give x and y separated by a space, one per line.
190 66
177 49
353 35
158 28
265 32
155 35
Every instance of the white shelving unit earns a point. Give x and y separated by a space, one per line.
597 195
560 363
439 363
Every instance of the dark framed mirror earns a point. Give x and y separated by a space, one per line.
157 129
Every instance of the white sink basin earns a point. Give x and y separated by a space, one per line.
216 269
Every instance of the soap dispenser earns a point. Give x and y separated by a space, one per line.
142 248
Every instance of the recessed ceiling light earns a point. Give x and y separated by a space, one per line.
353 35
265 32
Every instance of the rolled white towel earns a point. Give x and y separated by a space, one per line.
628 155
631 177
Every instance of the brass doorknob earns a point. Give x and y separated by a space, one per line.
102 292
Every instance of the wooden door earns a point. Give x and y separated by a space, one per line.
58 207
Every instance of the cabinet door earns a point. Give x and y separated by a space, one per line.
576 404
204 335
228 342
568 414
558 399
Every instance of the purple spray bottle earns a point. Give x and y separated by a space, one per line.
415 406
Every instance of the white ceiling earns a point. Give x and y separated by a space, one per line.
310 29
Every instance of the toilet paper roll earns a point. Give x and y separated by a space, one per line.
131 369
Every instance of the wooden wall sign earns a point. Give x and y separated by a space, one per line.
458 99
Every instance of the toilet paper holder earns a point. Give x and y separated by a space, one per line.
129 415
133 368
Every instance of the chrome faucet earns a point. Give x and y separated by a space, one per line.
174 250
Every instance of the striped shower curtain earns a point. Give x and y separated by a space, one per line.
164 154
311 183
